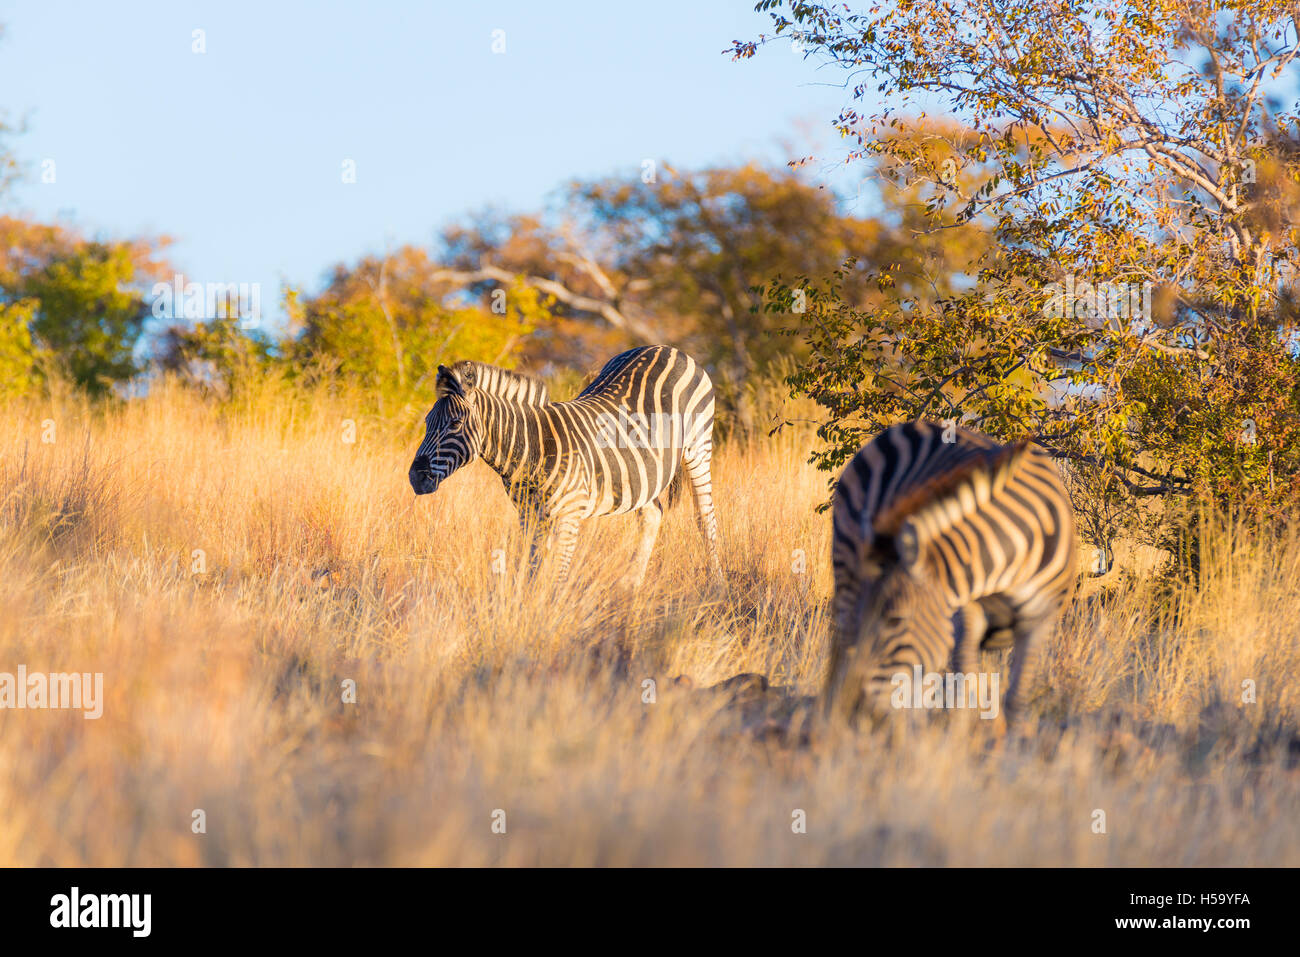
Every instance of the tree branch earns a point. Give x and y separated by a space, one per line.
598 307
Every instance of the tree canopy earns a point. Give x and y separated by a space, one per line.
1140 172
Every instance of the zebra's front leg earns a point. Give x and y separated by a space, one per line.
971 626
1025 658
533 526
649 519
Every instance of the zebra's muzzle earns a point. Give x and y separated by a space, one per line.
423 484
423 481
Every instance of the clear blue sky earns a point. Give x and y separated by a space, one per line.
237 153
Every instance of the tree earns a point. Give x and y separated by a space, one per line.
217 356
594 312
699 242
1138 169
680 258
19 359
83 302
386 324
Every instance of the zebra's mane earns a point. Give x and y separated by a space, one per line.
936 502
514 386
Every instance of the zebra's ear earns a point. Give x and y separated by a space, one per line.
449 383
907 542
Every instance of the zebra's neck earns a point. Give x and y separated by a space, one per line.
513 437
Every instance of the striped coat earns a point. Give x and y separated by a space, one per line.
638 431
944 543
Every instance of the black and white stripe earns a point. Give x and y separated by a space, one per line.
623 445
944 543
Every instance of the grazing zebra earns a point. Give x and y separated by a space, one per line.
941 549
620 446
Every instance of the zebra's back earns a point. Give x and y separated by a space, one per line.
653 379
645 409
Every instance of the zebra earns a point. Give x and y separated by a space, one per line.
943 543
621 446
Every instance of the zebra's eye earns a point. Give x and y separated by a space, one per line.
455 426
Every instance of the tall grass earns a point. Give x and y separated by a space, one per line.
232 569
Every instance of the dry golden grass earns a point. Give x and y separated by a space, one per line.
224 686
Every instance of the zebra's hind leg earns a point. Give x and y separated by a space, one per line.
696 463
566 540
649 519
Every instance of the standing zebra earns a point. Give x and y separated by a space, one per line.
944 543
620 446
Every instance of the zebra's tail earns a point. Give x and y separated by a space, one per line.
673 493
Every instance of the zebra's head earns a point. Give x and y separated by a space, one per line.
452 430
903 621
